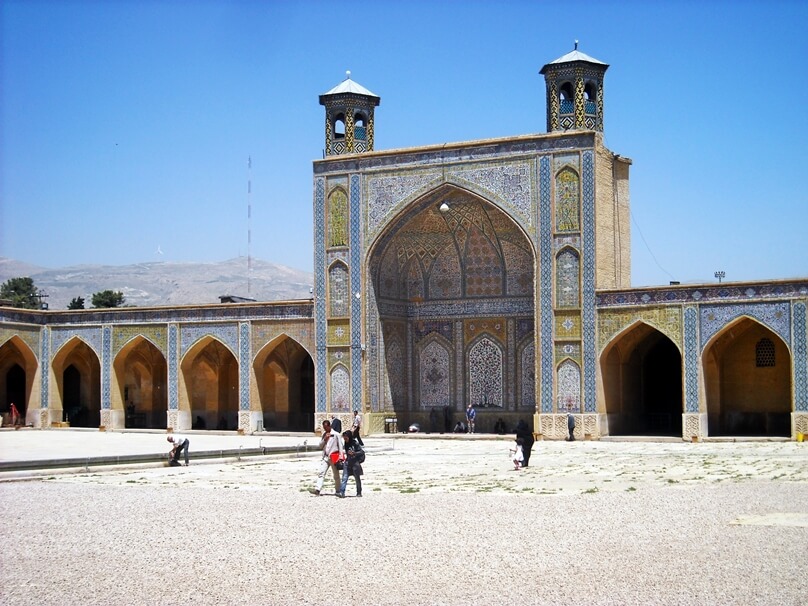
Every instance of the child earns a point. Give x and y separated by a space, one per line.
517 454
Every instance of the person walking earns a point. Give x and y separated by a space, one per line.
471 415
331 445
15 415
523 432
354 457
517 455
356 427
178 445
570 423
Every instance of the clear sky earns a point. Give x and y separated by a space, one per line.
126 125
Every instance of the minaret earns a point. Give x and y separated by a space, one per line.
574 92
348 118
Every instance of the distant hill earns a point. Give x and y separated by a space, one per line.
154 284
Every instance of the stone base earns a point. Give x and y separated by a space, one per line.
345 417
43 417
554 426
113 419
694 426
799 424
250 421
178 420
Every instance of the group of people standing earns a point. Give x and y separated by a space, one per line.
344 453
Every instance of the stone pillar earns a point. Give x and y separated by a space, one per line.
694 426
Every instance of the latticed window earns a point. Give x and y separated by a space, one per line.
764 353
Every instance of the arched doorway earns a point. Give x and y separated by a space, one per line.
747 377
78 381
210 376
17 369
284 372
642 380
140 385
449 273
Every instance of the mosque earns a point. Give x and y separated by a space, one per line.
494 273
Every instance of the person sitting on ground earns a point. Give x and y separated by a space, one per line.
499 427
460 427
178 445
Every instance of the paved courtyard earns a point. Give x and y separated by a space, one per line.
442 521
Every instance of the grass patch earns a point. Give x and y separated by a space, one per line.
410 490
591 490
631 489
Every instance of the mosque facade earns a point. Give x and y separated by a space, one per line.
494 273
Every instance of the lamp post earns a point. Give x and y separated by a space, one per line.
720 275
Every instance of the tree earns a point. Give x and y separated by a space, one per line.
107 298
22 293
76 303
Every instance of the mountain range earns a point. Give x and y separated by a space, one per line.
164 283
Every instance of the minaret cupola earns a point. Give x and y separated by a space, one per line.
348 118
574 92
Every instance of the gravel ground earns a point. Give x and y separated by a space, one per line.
441 522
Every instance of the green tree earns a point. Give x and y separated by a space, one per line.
76 303
21 292
107 298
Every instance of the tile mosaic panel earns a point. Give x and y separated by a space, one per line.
339 333
357 247
567 214
106 366
545 280
192 333
244 366
340 389
434 375
667 320
395 361
776 316
568 350
569 387
44 356
320 334
337 218
172 370
510 184
300 331
338 356
567 326
524 328
690 360
588 281
567 276
155 333
91 335
485 369
495 327
339 297
527 378
422 328
562 160
386 194
752 292
29 336
800 349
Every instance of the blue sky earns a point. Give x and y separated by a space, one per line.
126 126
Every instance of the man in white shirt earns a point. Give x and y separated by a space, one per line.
331 445
178 444
357 426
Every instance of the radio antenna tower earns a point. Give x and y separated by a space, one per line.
249 223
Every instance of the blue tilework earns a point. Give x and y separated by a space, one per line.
172 370
226 333
356 287
691 359
90 335
776 316
44 367
244 365
800 359
106 365
546 282
588 303
321 361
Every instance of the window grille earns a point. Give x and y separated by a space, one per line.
764 353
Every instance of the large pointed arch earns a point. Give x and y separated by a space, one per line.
642 382
284 375
209 384
450 256
140 384
77 374
18 367
747 394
